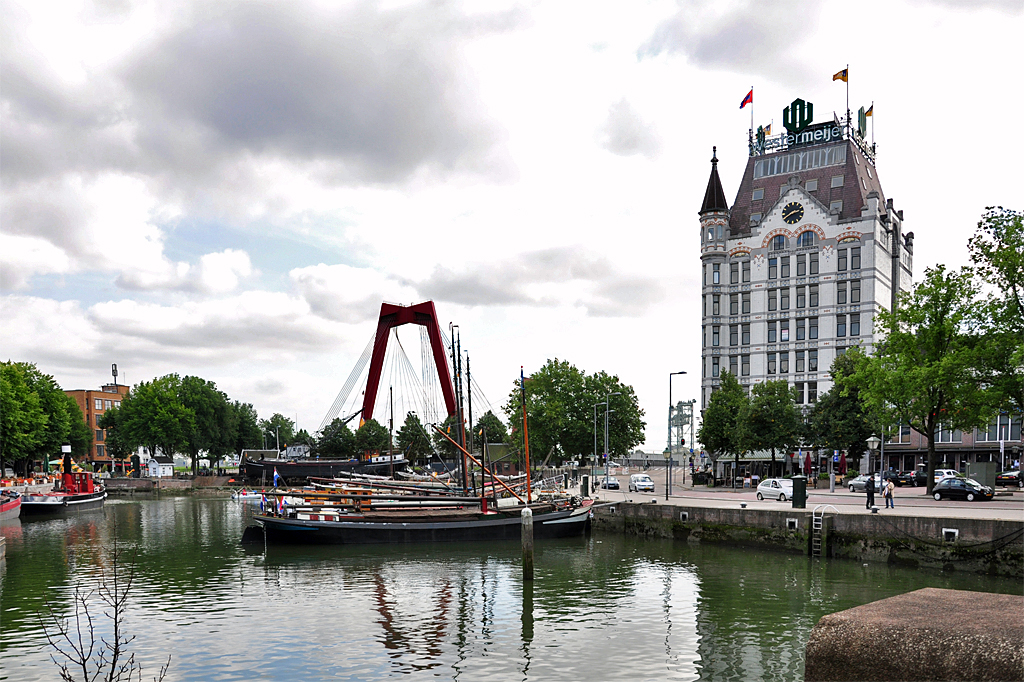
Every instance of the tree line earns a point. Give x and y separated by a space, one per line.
950 355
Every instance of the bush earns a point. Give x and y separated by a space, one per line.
823 476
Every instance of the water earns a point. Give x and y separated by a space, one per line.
605 607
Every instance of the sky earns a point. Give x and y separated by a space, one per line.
231 189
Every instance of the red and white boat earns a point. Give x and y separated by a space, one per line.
10 504
75 492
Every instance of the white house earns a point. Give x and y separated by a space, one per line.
160 467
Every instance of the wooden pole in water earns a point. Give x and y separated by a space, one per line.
527 535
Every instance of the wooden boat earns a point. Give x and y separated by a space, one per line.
75 492
261 471
10 504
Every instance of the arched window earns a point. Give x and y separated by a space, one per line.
711 234
779 242
806 238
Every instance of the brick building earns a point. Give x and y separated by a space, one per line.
93 405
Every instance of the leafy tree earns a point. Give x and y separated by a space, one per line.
336 441
720 429
442 444
924 372
838 420
212 427
413 439
770 420
493 427
111 422
153 416
302 437
248 434
22 419
372 437
80 435
279 430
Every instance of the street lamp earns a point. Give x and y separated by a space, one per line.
593 463
668 468
668 450
607 472
873 444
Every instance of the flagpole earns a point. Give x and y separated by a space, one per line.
848 98
872 125
751 110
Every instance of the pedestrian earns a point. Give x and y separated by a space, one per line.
869 488
889 488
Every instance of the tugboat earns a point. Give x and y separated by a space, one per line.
75 492
10 504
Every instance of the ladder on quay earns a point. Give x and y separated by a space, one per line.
817 523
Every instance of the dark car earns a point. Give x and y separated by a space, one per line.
1012 477
905 478
956 488
610 483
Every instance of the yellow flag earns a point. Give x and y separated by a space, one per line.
870 110
843 75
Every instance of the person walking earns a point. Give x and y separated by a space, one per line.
889 488
869 488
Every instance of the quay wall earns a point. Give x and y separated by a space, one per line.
991 546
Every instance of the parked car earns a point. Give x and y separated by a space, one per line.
906 478
780 489
858 484
945 473
610 483
1012 477
641 483
956 488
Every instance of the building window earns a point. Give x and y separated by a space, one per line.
96 418
837 181
812 295
734 273
835 206
746 271
812 185
771 363
773 268
798 389
704 337
100 450
108 404
745 365
784 299
715 335
855 324
734 335
773 301
840 351
716 273
734 304
779 242
773 331
784 362
801 265
755 217
840 325
841 293
117 403
785 267
855 291
1004 427
714 366
841 260
806 238
812 328
902 435
711 234
813 263
716 304
812 392
855 258
745 340
784 331
99 435
98 404
944 435
800 362
812 360
745 300
758 194
801 297
801 330
734 365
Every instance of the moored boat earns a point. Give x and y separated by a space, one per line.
75 492
10 504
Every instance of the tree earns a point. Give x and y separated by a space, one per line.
80 435
212 426
838 420
493 427
925 371
153 416
248 434
111 422
22 420
720 429
278 430
442 444
336 441
372 437
302 437
770 420
413 439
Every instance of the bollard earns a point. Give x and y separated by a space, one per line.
585 487
527 534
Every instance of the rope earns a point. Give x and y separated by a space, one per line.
346 389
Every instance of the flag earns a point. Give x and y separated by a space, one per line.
749 99
768 130
870 111
263 502
276 476
843 75
280 506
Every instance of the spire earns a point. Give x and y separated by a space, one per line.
714 197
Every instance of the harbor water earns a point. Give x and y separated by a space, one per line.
604 607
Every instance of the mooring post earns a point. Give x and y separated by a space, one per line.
527 534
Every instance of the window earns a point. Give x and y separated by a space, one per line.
773 301
801 329
812 185
841 261
813 257
785 267
812 391
716 273
902 435
716 304
758 194
117 403
801 265
944 435
745 340
835 206
734 304
837 181
771 363
714 366
99 451
784 299
715 335
855 258
711 234
798 390
784 363
1003 427
745 300
734 335
779 242
841 293
840 351
734 365
745 365
96 417
98 405
806 238
812 295
755 217
773 268
800 362
801 297
746 270
108 404
812 328
855 291
703 337
734 273
99 435
812 360
773 332
855 324
784 331
840 325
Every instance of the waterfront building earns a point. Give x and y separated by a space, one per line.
94 403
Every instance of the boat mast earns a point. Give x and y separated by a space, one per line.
526 436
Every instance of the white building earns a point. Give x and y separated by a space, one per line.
160 467
795 269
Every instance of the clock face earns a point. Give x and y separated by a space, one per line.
792 213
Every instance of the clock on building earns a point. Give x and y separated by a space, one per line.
792 213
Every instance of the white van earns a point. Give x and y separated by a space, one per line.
641 483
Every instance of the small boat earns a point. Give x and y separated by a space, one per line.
75 492
10 505
246 495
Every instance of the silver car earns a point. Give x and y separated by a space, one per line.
776 488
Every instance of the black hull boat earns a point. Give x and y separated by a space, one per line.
340 529
296 471
61 504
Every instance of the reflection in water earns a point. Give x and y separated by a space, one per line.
605 607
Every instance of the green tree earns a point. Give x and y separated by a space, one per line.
492 426
212 427
770 420
413 439
248 434
838 420
442 444
22 419
372 437
720 428
336 441
278 430
925 371
153 416
302 437
117 446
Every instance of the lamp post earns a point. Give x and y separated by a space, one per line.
873 444
593 465
606 413
668 450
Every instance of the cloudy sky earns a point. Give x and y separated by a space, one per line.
230 189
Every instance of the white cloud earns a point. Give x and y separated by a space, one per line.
23 257
626 134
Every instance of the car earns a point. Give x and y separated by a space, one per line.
1011 477
956 488
945 473
610 483
780 489
906 478
641 483
858 484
